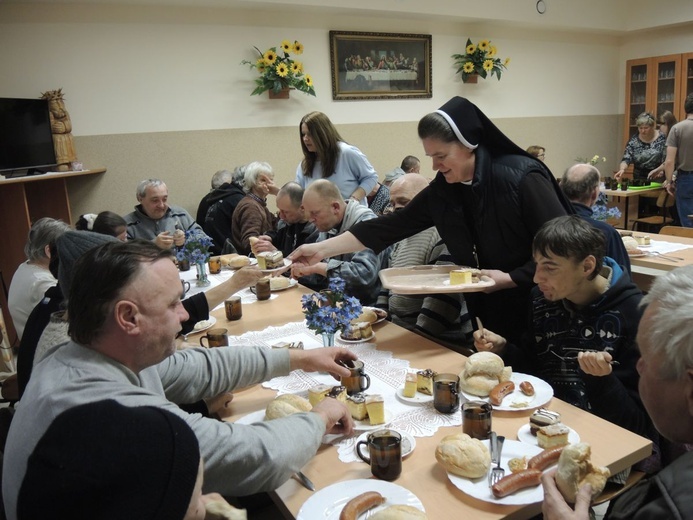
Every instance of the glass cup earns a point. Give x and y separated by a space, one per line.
262 289
384 454
214 265
476 419
358 381
216 338
446 397
233 308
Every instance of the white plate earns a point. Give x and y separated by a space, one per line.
366 426
287 263
524 434
204 325
479 488
542 394
251 418
419 398
292 283
327 503
380 313
408 442
362 340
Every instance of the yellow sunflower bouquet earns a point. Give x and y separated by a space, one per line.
279 71
479 59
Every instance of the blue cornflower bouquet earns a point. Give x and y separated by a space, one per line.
601 212
330 310
196 247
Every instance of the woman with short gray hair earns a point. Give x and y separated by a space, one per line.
645 151
251 218
32 278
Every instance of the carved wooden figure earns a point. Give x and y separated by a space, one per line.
61 126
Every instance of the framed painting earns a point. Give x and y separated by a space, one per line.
380 65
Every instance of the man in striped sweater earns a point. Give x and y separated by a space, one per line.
440 316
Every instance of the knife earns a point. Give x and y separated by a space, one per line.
305 481
481 328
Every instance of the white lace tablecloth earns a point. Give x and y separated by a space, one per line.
386 373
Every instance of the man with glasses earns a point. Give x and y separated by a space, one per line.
584 319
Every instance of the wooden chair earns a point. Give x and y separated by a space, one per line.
612 490
664 203
677 231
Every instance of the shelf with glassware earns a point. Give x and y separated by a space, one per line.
656 85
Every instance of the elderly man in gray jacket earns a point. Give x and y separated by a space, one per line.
332 216
123 322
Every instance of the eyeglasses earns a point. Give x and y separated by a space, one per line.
541 155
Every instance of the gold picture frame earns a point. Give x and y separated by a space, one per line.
367 65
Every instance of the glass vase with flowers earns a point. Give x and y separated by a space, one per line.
330 310
196 252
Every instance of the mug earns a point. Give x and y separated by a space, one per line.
185 285
263 290
216 338
624 184
476 419
446 397
233 308
358 381
214 265
385 454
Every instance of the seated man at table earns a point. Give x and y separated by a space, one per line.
215 211
123 324
580 183
293 229
665 338
584 314
332 216
436 315
155 219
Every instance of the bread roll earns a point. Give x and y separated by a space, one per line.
461 455
399 512
279 282
482 372
631 245
287 404
239 261
366 316
575 470
226 259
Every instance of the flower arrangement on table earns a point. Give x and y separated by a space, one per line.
479 59
279 72
330 310
601 212
594 160
196 251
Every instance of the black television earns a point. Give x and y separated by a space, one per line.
26 141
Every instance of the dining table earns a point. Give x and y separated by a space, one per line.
665 253
628 201
421 475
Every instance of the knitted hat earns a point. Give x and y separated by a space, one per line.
71 246
106 461
472 127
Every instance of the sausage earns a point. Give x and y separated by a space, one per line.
527 388
545 459
361 503
500 391
516 481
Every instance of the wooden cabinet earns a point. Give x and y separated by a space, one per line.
656 85
24 200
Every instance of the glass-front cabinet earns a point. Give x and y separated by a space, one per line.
656 85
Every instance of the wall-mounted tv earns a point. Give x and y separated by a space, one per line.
26 141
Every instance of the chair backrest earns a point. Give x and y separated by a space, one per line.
677 231
665 200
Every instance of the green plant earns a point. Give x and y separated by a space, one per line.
480 59
594 160
279 71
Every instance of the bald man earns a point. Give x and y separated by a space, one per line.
435 315
326 209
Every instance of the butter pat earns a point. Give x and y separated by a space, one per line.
460 276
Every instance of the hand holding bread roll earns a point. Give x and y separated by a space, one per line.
575 470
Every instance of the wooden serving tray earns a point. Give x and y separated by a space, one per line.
428 279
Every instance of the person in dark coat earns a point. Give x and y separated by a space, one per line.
580 183
487 201
215 211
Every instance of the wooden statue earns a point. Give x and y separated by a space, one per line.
61 126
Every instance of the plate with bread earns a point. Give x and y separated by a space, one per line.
235 261
379 314
362 498
485 377
281 283
203 325
432 279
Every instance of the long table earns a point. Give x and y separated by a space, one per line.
646 268
628 202
612 446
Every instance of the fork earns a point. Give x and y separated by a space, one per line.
665 257
497 473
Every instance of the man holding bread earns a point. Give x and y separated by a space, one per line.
584 318
123 324
665 339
